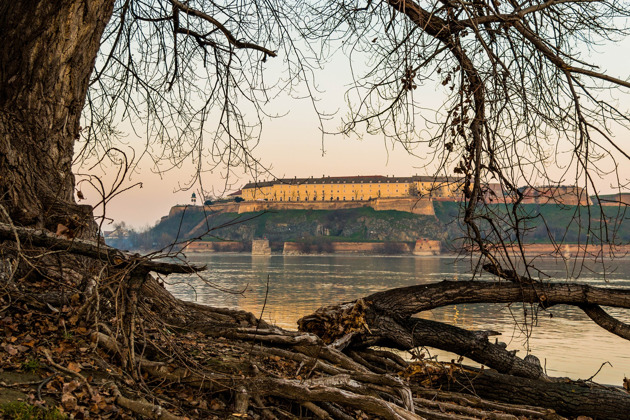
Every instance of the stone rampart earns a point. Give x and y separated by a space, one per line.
261 247
222 246
230 207
297 248
255 206
427 247
422 247
413 205
175 210
421 206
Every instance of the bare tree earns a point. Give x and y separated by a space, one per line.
518 93
188 77
190 74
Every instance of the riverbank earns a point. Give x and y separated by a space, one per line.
265 247
421 247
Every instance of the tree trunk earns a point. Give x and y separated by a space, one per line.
47 53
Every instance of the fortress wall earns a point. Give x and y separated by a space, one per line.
253 206
175 210
224 246
427 247
422 247
411 205
296 248
261 247
231 207
367 247
571 250
618 200
565 199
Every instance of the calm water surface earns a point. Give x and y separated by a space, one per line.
563 338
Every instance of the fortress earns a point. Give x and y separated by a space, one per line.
414 194
356 188
369 188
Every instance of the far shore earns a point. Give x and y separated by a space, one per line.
420 248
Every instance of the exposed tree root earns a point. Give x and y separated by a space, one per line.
144 408
123 334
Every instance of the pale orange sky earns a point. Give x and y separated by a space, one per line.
292 145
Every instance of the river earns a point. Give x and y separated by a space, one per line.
566 341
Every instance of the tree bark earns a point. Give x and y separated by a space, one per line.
406 301
476 346
384 318
47 53
567 398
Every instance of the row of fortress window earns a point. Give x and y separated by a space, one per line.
360 188
349 188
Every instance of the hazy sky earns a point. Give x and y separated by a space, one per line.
292 146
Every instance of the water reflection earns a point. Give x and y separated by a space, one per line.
564 339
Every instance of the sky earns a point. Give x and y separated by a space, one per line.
293 146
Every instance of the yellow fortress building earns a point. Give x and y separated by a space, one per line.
353 188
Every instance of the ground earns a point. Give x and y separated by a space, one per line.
52 360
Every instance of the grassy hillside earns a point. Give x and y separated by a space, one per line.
359 224
540 224
547 223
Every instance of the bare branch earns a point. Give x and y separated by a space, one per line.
222 28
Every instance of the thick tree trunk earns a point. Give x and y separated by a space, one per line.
47 53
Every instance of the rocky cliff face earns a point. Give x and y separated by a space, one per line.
306 226
351 224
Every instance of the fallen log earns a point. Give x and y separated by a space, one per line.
407 301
